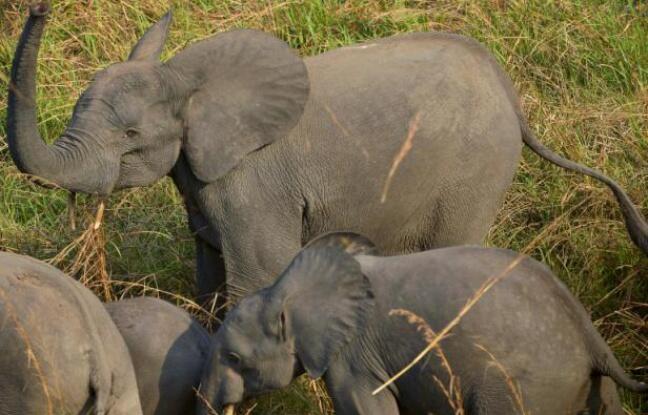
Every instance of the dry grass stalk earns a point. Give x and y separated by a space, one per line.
249 411
516 392
452 392
324 403
421 325
405 149
254 15
346 133
623 283
483 289
228 410
206 317
204 401
89 262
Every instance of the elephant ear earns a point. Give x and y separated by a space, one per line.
327 301
352 243
253 91
150 46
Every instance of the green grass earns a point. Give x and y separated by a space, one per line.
582 71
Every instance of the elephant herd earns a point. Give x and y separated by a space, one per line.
339 267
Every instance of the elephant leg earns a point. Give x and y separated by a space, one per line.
494 400
210 278
603 398
355 398
351 389
466 216
258 247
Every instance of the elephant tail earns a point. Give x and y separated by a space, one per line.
606 364
635 222
101 388
602 359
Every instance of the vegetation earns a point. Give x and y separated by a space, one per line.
581 67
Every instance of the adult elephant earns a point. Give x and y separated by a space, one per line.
270 150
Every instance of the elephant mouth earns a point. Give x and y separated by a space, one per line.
134 171
129 165
229 409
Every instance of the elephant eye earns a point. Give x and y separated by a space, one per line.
233 358
131 133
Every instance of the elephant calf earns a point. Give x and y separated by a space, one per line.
169 351
60 351
526 346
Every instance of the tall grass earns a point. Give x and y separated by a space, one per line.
581 67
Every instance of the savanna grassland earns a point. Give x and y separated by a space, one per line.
582 71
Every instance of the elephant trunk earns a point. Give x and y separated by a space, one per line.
55 164
208 402
29 151
220 392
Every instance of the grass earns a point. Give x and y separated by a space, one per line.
581 67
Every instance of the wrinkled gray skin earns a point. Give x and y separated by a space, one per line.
60 351
269 150
331 314
169 351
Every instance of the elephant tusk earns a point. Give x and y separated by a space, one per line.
229 410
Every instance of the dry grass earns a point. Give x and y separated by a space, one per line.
204 401
402 153
581 67
434 340
452 390
513 386
89 263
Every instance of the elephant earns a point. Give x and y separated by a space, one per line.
61 352
169 350
525 345
412 140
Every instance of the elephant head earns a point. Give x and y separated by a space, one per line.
317 306
217 101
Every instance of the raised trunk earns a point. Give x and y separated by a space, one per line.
55 164
27 148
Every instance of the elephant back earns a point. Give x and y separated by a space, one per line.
58 343
169 350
